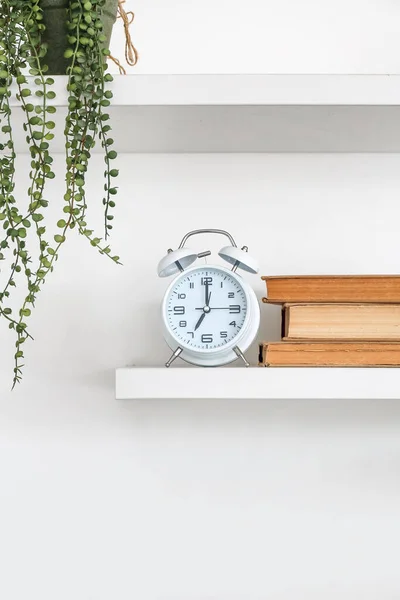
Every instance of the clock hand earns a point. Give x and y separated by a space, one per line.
199 322
215 308
206 293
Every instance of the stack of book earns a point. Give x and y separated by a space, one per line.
335 321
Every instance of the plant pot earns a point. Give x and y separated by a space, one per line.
54 18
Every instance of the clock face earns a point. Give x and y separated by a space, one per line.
206 309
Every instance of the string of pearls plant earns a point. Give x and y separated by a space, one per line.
27 255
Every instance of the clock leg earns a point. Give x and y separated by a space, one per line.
240 354
173 356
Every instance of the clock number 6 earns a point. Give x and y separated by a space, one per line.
207 338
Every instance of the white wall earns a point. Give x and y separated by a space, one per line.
243 500
265 36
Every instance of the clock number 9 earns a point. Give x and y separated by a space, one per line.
179 310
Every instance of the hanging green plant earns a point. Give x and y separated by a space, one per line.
27 254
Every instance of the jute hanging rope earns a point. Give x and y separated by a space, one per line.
131 54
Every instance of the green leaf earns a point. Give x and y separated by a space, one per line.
25 92
68 53
61 223
114 173
59 239
24 312
112 154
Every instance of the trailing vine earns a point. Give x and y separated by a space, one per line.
23 68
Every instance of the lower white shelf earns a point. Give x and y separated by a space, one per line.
136 383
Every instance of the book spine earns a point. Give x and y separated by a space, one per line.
330 354
341 322
365 289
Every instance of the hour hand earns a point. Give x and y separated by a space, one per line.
199 322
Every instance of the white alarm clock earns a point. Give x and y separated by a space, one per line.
210 314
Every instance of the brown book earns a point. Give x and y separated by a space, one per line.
329 354
341 322
333 288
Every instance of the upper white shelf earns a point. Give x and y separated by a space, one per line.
137 383
250 113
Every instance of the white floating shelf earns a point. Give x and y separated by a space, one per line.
258 383
249 113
